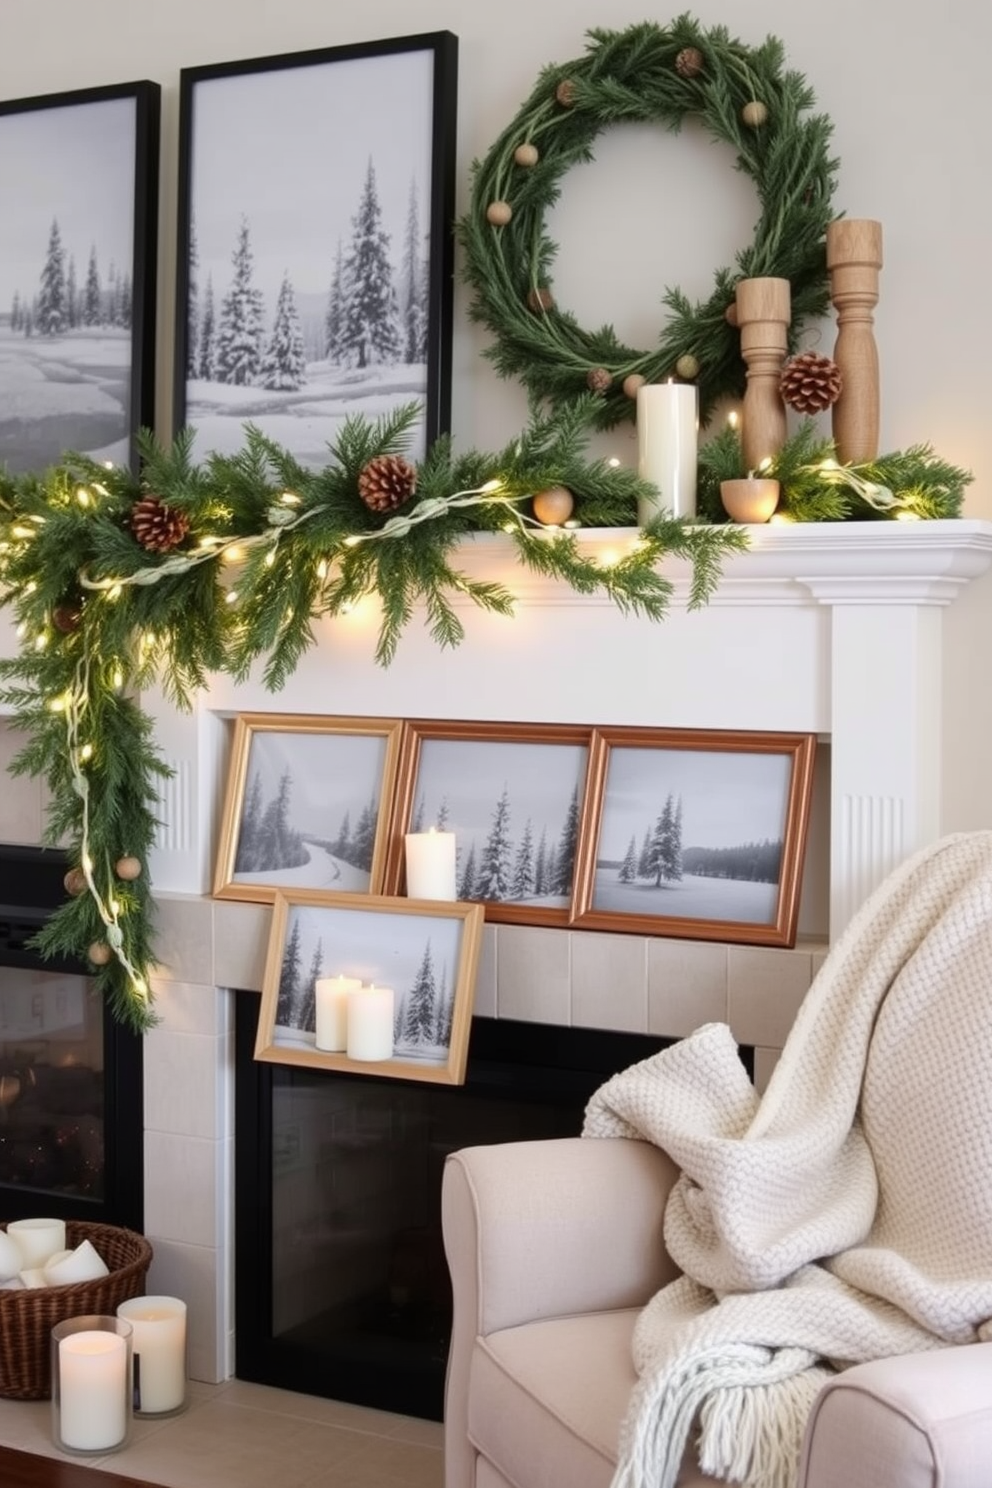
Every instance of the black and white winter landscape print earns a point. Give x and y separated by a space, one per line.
427 958
308 813
307 245
696 834
515 809
70 311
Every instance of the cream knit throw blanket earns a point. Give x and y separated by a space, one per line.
845 1216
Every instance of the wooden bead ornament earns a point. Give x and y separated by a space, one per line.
540 299
526 155
554 506
499 213
75 882
632 383
128 869
100 953
687 367
754 114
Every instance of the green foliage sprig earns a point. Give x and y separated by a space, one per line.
816 487
647 73
271 546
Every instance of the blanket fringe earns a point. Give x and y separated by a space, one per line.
753 1434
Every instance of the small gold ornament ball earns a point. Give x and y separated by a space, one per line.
632 383
554 506
100 953
499 213
526 154
730 314
754 114
75 882
687 367
128 869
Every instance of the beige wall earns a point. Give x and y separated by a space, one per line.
905 90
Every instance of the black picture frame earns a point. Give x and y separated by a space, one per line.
375 122
78 242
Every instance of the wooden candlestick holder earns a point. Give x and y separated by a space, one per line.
763 312
854 258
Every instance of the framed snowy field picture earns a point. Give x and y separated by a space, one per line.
79 186
513 794
307 805
316 243
695 834
378 986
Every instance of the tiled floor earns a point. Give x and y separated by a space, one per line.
238 1435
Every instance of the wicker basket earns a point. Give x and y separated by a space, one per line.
27 1317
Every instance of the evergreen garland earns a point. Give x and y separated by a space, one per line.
647 73
815 487
100 616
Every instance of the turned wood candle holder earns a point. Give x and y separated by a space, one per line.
854 258
753 499
763 311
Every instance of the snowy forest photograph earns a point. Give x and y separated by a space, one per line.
68 338
702 834
427 957
515 808
303 810
311 187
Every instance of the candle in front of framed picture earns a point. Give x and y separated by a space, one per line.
331 1017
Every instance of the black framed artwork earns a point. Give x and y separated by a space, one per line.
79 184
316 243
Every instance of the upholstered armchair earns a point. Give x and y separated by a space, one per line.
553 1248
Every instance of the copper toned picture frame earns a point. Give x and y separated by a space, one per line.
698 835
425 952
307 805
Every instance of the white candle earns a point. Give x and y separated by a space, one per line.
92 1391
667 419
11 1261
430 865
82 1264
34 1276
331 996
370 1023
159 1346
37 1239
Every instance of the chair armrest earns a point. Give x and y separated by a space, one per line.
916 1421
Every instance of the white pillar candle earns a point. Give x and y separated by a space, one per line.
93 1391
159 1346
430 865
34 1276
370 1023
331 997
82 1264
667 420
37 1239
11 1261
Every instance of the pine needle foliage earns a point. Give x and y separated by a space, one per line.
632 75
271 549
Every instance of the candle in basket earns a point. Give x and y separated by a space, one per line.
37 1239
370 1023
91 1376
159 1325
667 419
430 865
82 1264
331 999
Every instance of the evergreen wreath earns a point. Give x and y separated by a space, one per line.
116 579
743 97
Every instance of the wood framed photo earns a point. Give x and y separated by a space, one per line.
513 794
377 986
79 184
307 805
698 835
316 243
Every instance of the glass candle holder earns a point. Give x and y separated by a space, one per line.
91 1384
159 1343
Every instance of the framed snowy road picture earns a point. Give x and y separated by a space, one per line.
513 794
316 243
307 805
378 986
79 186
698 835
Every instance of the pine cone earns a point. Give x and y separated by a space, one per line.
689 62
810 382
157 527
386 482
598 380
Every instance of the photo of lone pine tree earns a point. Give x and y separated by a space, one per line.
310 810
66 250
308 253
692 834
416 955
514 809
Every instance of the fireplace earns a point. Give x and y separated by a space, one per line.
70 1075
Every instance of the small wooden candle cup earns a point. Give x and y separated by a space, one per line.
752 499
